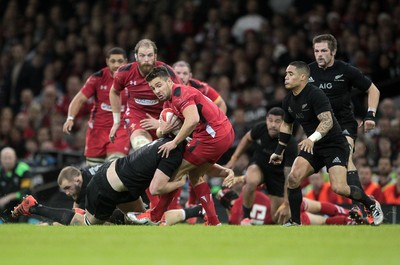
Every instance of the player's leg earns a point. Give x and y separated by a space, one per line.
337 175
30 206
324 208
352 173
140 138
203 192
254 177
179 215
316 219
276 202
134 206
301 169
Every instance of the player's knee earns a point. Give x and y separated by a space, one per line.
94 161
293 181
252 182
114 156
139 141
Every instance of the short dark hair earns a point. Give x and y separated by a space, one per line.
277 111
116 50
328 38
302 67
159 71
146 43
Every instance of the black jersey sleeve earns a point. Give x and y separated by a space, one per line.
358 80
285 105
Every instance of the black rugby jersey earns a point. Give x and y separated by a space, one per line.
137 169
87 175
305 107
337 81
265 146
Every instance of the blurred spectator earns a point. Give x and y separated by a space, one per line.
319 190
252 20
370 188
15 182
392 191
383 174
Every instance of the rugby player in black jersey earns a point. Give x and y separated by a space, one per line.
116 184
337 79
325 145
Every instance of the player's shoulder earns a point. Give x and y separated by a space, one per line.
196 83
126 67
99 74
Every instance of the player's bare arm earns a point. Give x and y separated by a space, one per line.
73 110
161 183
116 110
325 124
244 143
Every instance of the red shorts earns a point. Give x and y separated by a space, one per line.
133 123
199 151
98 142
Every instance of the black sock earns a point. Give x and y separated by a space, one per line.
295 199
117 217
246 212
196 211
63 216
354 180
359 195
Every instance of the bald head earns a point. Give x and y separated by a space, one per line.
8 158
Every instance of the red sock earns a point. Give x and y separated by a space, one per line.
332 209
338 220
175 203
203 194
162 205
192 200
152 198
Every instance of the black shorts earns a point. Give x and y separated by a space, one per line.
274 179
335 153
101 198
349 128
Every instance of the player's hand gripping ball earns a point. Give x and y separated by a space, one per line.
170 120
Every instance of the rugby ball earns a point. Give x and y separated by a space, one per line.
166 114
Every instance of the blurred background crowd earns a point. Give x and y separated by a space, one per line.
48 48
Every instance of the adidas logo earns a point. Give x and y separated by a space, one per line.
346 132
303 106
310 79
290 109
336 160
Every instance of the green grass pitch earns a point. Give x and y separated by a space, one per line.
185 244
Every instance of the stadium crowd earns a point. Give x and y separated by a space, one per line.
241 48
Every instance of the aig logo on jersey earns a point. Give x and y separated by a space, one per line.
325 86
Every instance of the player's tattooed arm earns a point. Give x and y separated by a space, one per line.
326 122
